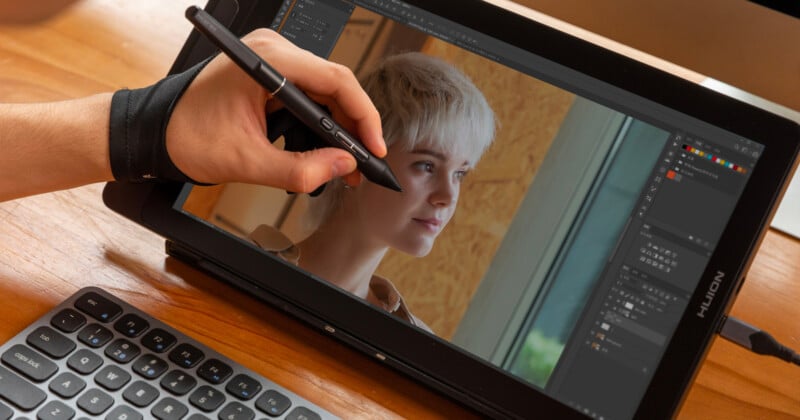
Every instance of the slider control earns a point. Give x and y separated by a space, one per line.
350 144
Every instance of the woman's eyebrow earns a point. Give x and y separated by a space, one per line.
438 155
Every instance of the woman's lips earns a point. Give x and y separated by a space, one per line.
432 224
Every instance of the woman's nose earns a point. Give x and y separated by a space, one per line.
445 193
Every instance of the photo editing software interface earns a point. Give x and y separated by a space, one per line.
645 287
684 179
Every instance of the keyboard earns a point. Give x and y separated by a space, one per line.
95 356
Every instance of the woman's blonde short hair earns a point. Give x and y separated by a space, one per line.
422 100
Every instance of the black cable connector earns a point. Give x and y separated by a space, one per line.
756 340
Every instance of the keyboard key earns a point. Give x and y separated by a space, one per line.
158 340
84 361
186 355
243 387
55 410
178 382
68 320
95 335
67 385
273 403
302 413
28 362
122 350
98 307
140 394
207 398
169 409
197 416
50 342
123 412
214 371
112 377
95 401
18 391
150 366
131 325
236 411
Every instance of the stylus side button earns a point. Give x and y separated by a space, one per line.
380 356
330 329
326 124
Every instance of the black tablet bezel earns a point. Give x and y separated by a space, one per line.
431 360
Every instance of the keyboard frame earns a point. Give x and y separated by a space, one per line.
209 353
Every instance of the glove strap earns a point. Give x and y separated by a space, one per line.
138 128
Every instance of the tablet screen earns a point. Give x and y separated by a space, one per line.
552 225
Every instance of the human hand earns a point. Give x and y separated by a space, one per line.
217 131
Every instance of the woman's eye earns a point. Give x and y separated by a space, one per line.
461 174
425 166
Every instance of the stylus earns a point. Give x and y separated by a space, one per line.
306 110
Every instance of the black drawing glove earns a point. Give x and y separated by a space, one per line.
138 127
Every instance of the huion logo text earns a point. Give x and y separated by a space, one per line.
710 294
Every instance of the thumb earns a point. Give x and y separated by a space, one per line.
303 172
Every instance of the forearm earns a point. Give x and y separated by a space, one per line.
53 146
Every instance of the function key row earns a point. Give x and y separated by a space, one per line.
131 325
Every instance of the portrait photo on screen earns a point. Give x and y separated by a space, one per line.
535 224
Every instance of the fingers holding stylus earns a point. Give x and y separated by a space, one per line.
330 84
221 114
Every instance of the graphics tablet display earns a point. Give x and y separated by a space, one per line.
573 226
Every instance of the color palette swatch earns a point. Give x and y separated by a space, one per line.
716 159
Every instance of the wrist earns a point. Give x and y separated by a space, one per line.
53 146
137 130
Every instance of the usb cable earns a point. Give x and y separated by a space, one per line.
756 340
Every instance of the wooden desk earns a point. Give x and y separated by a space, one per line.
53 244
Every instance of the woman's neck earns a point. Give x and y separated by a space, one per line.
339 253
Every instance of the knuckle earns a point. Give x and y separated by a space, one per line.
340 72
261 39
299 179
